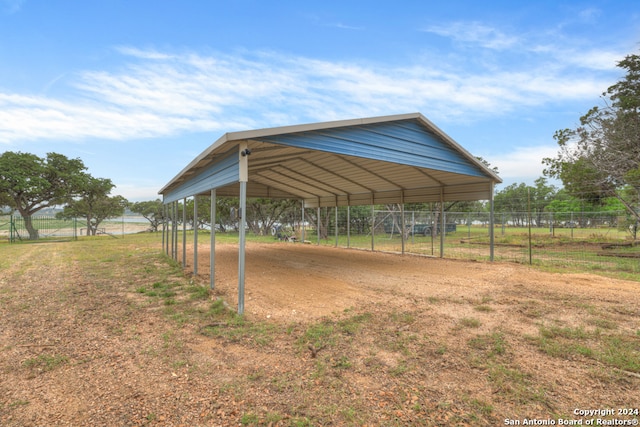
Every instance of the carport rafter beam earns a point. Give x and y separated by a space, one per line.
283 186
335 191
267 162
362 168
323 190
338 175
423 172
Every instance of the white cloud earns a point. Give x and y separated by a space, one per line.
162 94
475 33
522 164
136 193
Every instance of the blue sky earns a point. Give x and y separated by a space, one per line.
137 89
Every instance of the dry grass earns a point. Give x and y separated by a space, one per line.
111 332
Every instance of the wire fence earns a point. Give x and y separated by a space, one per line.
574 240
15 228
587 241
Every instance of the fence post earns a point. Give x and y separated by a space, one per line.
336 223
373 226
348 226
413 226
302 224
572 225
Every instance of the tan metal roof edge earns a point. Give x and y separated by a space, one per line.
257 133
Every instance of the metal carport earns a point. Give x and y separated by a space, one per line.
379 160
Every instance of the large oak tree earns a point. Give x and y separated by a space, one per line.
29 183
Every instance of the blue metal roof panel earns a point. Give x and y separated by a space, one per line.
223 172
406 142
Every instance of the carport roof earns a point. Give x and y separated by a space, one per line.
379 160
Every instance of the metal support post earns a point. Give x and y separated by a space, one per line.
212 243
195 235
243 178
241 252
163 227
184 233
442 224
174 233
492 225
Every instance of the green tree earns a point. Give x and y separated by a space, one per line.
262 214
224 206
151 210
30 183
512 200
94 204
601 157
204 211
5 202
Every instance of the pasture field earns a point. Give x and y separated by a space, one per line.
104 331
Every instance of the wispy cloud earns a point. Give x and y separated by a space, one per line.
475 33
156 93
345 26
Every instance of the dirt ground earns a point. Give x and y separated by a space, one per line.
430 342
288 282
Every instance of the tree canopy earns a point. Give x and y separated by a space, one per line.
94 203
152 210
29 183
601 157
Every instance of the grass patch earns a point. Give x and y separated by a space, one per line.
45 362
492 344
227 324
483 308
621 351
319 335
469 322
